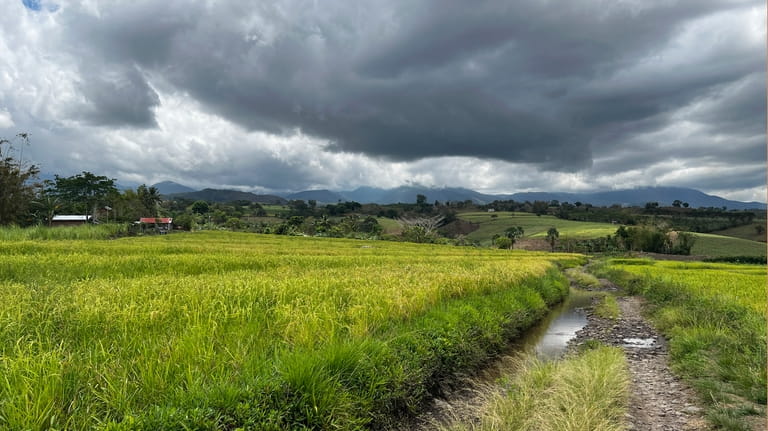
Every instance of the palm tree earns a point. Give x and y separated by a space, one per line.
150 198
552 236
48 206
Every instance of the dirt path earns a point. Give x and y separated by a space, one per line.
658 400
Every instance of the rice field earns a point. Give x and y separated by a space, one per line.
218 330
714 315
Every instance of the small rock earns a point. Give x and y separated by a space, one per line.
692 410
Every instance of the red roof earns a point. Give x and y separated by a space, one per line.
164 220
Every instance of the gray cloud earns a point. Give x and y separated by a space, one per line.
597 87
117 97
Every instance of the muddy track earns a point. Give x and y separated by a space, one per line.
658 400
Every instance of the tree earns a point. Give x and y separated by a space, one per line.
514 233
540 207
677 203
200 207
552 236
503 242
48 205
17 189
759 229
150 199
84 192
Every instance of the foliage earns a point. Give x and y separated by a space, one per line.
503 242
552 236
150 199
219 330
84 232
17 189
84 192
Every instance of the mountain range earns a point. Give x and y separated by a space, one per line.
407 194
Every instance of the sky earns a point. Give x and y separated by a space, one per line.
496 96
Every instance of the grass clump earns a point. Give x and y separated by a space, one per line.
587 392
582 279
608 308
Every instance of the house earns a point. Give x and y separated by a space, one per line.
70 220
162 224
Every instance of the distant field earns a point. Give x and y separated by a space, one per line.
717 245
222 330
390 226
744 232
275 210
534 226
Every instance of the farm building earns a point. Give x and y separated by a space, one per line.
70 220
162 224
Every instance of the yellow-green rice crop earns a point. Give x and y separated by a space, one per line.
217 330
714 315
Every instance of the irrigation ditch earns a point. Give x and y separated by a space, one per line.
658 400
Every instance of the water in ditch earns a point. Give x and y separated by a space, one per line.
548 340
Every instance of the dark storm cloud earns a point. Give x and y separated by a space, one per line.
119 97
555 84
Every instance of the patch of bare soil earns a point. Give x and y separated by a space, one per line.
659 400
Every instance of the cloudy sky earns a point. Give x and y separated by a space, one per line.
498 96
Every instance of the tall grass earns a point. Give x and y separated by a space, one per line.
714 315
588 392
218 330
100 231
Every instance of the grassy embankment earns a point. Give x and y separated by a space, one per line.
714 316
579 393
219 330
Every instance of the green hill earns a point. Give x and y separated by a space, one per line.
718 245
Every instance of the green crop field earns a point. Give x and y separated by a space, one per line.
714 315
717 245
534 226
217 330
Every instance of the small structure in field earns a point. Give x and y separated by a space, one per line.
162 224
70 220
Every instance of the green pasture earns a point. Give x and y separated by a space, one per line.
534 226
745 232
718 245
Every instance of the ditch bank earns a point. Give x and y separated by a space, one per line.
549 339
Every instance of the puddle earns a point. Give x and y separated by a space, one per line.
550 337
639 343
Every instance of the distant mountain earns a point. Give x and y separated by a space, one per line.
630 197
407 194
321 196
169 188
639 196
213 195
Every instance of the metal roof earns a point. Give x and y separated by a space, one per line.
165 220
71 218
